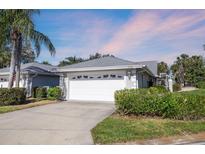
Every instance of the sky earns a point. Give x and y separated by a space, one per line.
135 35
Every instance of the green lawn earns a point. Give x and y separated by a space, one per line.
119 129
4 109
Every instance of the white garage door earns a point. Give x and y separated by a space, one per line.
102 90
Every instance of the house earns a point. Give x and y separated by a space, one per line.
98 79
32 75
91 80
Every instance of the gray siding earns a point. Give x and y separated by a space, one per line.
143 80
45 80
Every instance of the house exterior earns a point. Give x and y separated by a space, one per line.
32 75
98 79
93 80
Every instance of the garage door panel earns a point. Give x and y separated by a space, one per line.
102 90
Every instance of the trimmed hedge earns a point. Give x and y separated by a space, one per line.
200 84
41 92
54 93
181 106
13 96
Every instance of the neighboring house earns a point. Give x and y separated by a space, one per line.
96 79
32 75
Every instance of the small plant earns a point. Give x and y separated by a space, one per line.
176 87
54 93
200 84
41 92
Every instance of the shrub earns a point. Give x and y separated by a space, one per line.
200 84
33 92
41 92
176 87
54 93
13 96
180 106
161 89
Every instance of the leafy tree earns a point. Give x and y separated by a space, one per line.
162 67
98 55
74 59
188 70
17 27
71 60
4 57
45 63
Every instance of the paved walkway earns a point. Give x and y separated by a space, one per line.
61 123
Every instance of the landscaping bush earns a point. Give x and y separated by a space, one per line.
33 92
200 84
41 92
181 106
176 87
161 89
54 93
13 96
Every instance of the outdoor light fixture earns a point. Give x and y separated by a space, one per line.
129 74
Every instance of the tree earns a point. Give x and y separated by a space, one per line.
162 67
4 57
98 55
45 63
17 27
188 70
74 59
71 60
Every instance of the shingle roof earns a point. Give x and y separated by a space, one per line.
33 68
152 65
97 63
100 62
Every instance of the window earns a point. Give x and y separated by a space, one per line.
112 76
79 77
119 76
105 76
85 76
91 77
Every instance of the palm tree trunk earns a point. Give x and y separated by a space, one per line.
18 61
14 36
12 65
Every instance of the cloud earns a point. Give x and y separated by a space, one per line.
143 34
164 25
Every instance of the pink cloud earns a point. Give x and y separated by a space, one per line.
149 24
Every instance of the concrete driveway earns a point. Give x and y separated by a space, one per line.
61 123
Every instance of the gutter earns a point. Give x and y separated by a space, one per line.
99 68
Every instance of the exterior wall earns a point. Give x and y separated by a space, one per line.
143 80
4 83
45 80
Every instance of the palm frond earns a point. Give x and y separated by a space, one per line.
39 38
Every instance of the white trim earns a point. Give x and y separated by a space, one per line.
99 68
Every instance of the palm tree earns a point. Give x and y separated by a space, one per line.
17 27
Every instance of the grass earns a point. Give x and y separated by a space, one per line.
122 129
33 103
